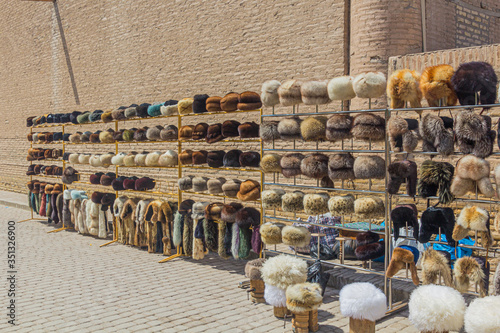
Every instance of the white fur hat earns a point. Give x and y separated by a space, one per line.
153 158
482 315
341 89
83 158
362 300
106 158
169 158
129 160
140 159
269 93
296 236
274 296
169 110
314 92
118 159
369 85
95 160
73 158
284 270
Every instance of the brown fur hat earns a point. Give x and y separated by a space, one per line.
314 128
473 133
215 158
403 86
271 163
340 166
249 100
472 170
186 132
435 84
213 211
247 217
289 93
228 213
338 127
200 131
252 269
290 164
199 157
437 134
315 92
169 133
467 270
213 104
249 190
230 128
368 126
229 102
269 130
315 166
289 128
139 135
473 218
118 114
186 157
435 264
107 117
249 130
400 258
369 167
214 133
403 133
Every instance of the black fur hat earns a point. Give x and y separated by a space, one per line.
250 159
186 206
404 215
367 237
214 133
73 117
473 134
400 172
403 133
473 77
232 158
200 103
370 251
340 166
315 166
436 176
437 134
434 218
247 217
215 158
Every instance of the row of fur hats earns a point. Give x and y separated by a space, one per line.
38 154
364 126
248 190
277 233
293 92
48 137
48 170
168 158
218 158
40 187
122 183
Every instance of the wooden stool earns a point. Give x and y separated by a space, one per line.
300 322
313 321
303 300
361 326
281 311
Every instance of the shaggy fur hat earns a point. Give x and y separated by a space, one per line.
228 213
400 172
118 114
152 159
296 236
432 220
369 85
473 218
405 215
289 93
403 86
369 207
435 84
271 233
314 92
186 157
185 183
250 159
436 176
232 159
106 159
269 93
340 166
214 133
200 103
400 258
435 264
118 135
229 102
107 178
437 134
129 160
200 184
316 204
247 217
153 133
215 185
289 128
303 297
338 127
169 133
69 175
370 251
215 158
403 133
200 157
213 104
315 166
274 296
231 188
271 163
169 108
473 134
142 110
290 164
169 158
284 270
341 88
128 135
472 171
185 106
362 300
248 130
292 201
368 126
249 190
473 77
314 128
130 112
369 167
73 138
482 315
436 309
118 159
471 269
186 132
269 130
271 199
249 100
252 269
73 158
140 134
364 238
340 205
144 184
107 117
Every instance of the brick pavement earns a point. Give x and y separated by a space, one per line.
66 283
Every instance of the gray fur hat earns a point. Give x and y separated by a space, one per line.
185 183
315 92
269 130
315 166
369 167
437 134
290 164
340 166
231 187
289 128
215 185
368 126
169 133
473 133
200 184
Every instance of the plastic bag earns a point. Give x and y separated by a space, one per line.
325 252
315 274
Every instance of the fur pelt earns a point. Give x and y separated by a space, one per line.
435 218
340 205
269 130
473 133
369 207
252 269
177 232
341 88
271 233
436 309
211 234
269 93
369 167
271 199
290 164
437 134
289 93
244 245
472 169
435 84
403 133
221 240
315 166
284 270
228 213
400 172
369 85
314 92
303 297
270 163
405 215
434 177
496 282
368 237
316 203
473 77
289 128
338 127
403 86
400 259
235 240
362 300
296 236
482 315
274 296
435 264
127 215
474 218
187 235
293 202
368 126
340 166
467 270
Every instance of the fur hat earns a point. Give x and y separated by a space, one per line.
213 104
284 270
435 264
271 199
292 201
482 315
369 85
214 185
117 183
269 93
368 237
403 133
230 128
213 211
400 258
118 135
185 106
153 133
142 110
435 84
95 161
405 215
290 129
248 130
73 158
247 217
369 207
107 117
249 100
140 134
271 233
290 164
252 269
186 132
69 175
368 126
473 77
231 188
341 88
269 130
315 92
232 159
186 157
370 251
118 114
434 176
200 103
432 220
169 108
130 112
185 183
338 127
169 158
403 86
316 204
106 159
96 178
303 297
199 157
249 190
470 269
129 160
169 133
340 205
270 162
118 159
214 133
229 102
215 158
107 178
315 166
437 134
400 172
289 93
369 167
363 301
472 170
473 133
340 166
144 184
200 184
250 159
314 128
436 309
128 135
73 138
228 213
296 236
152 159
473 218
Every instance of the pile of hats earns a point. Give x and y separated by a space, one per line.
48 170
218 158
38 154
122 183
217 132
248 190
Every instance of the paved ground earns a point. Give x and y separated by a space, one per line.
66 283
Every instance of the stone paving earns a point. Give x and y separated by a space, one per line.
66 283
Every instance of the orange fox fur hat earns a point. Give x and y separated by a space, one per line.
435 84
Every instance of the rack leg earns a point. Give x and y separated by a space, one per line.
60 229
113 241
177 255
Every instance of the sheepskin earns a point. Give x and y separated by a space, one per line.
316 203
341 88
362 300
284 270
303 297
296 236
269 93
482 315
435 264
274 296
369 85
